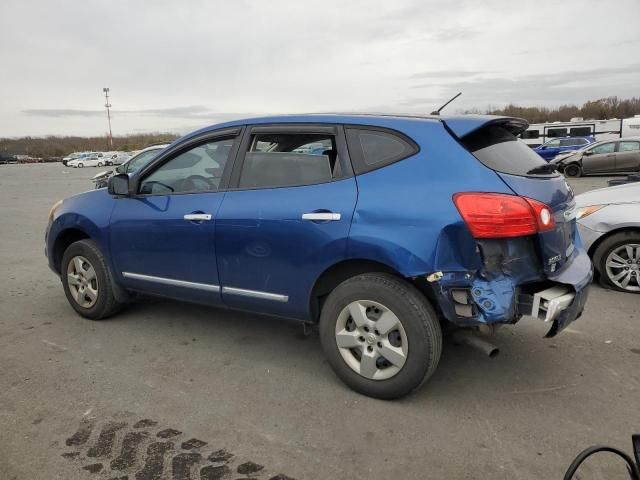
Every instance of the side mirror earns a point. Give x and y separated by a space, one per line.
118 184
120 169
588 152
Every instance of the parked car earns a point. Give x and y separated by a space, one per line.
609 225
618 156
550 149
420 221
89 161
76 156
134 163
115 158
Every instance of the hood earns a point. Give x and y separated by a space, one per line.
561 157
627 193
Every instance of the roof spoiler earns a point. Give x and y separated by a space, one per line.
464 125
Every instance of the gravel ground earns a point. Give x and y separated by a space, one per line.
206 393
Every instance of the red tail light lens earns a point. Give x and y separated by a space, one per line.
496 215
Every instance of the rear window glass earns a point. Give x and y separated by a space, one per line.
500 150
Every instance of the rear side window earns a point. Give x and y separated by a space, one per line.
497 148
370 149
629 147
289 160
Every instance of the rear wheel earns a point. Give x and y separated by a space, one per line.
80 165
380 335
617 260
573 170
86 280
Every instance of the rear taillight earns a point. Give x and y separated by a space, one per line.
496 215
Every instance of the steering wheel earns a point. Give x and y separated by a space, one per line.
197 183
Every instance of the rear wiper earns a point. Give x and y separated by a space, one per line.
546 168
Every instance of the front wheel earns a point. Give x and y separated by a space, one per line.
80 165
86 280
380 335
617 260
573 170
99 164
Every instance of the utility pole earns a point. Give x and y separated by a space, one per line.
107 105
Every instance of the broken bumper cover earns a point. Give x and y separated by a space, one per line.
473 300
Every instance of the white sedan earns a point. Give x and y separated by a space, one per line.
91 161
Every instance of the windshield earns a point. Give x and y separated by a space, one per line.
139 161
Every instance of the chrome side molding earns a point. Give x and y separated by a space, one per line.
255 294
170 281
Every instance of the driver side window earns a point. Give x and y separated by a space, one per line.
196 170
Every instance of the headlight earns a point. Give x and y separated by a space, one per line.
586 211
53 209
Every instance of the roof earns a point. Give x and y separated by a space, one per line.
461 125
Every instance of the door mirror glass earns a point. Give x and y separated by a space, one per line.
118 184
588 152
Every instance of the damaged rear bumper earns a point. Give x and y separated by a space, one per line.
505 293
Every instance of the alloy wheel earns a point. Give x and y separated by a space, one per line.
82 281
371 340
623 267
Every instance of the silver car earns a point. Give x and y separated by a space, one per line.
608 156
609 226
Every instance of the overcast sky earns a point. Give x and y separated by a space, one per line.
178 65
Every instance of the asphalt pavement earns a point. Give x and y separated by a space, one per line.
175 391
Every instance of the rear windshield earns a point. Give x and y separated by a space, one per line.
497 148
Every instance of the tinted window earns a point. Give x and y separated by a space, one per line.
287 160
580 131
572 142
530 134
371 149
629 146
196 170
604 148
557 132
500 150
140 160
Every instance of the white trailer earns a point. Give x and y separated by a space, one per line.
539 133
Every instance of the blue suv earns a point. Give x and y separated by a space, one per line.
553 147
383 230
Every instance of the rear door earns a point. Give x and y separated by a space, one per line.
600 159
286 217
628 156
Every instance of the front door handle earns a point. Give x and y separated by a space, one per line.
198 217
321 216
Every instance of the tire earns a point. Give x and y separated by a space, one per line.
99 164
81 285
80 165
605 262
418 336
573 170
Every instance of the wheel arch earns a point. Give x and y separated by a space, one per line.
62 242
594 246
343 270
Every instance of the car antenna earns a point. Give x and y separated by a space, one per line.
437 112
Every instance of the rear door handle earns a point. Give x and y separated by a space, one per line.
198 217
322 216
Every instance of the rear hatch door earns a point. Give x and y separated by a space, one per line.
495 144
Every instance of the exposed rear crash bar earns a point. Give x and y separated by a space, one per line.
548 303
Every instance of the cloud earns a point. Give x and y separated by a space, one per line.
194 111
448 73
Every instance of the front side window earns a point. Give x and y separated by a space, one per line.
139 161
287 160
552 143
604 148
629 146
196 170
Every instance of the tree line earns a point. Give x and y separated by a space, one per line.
605 108
53 147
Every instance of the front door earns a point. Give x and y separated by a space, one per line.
628 156
601 158
163 238
288 218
